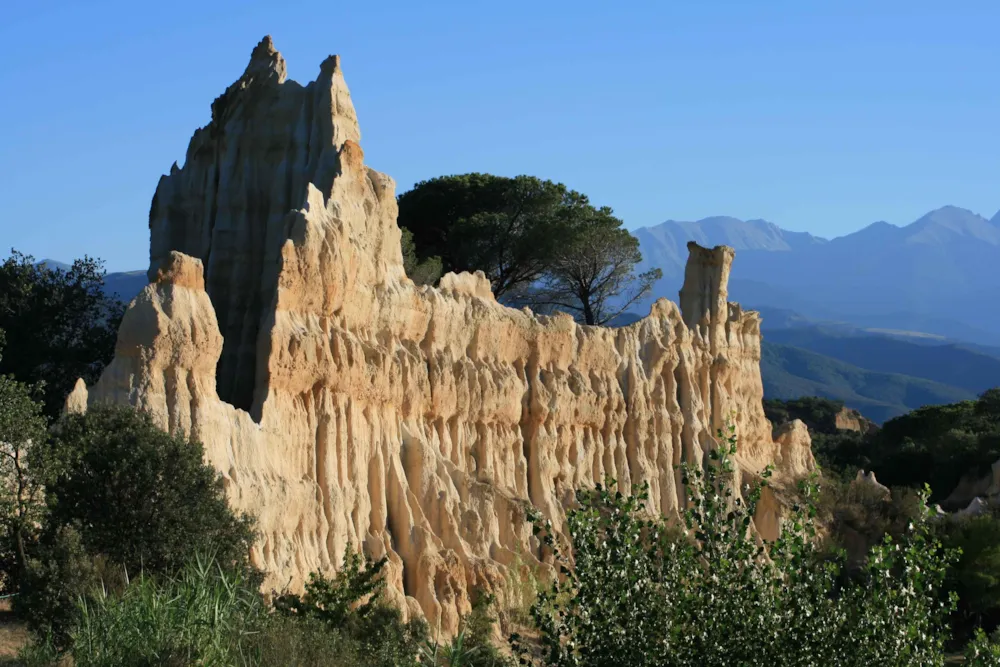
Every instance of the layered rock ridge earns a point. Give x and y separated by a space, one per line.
343 404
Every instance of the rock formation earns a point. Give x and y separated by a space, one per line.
975 485
345 405
849 419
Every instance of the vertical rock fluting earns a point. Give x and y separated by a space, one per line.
344 404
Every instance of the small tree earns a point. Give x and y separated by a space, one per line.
22 428
593 275
422 272
60 323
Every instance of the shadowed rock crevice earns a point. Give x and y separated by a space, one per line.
229 205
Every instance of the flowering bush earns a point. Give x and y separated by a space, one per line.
635 590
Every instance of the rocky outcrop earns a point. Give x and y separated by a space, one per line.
975 485
849 419
868 482
345 405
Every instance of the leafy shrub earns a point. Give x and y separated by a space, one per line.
351 596
473 645
939 444
55 579
124 499
983 650
351 604
632 595
975 577
145 499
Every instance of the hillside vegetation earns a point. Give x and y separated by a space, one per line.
790 372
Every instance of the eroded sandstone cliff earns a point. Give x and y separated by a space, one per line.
343 404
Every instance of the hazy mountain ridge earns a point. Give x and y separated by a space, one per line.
124 285
936 274
790 372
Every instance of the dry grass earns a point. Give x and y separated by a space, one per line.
13 633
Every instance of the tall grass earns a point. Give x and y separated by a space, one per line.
204 615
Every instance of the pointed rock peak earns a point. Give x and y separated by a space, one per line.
265 59
330 66
880 225
950 216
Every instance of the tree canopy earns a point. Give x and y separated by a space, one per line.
592 275
59 325
539 243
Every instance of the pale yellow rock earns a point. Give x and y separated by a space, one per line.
76 402
848 419
349 405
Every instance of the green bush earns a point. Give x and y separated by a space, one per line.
55 579
983 650
124 499
634 596
351 604
145 499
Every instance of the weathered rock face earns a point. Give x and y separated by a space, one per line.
849 419
343 404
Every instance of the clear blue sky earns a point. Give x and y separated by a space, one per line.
817 115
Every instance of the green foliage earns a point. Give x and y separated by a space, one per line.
983 650
353 595
22 429
506 227
839 452
351 604
976 575
145 499
422 272
539 243
204 615
635 596
592 274
123 498
472 646
59 325
938 444
55 578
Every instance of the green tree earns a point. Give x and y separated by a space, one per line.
422 272
593 274
59 325
22 429
976 575
506 227
145 499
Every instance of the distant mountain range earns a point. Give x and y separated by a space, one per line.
936 275
881 373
